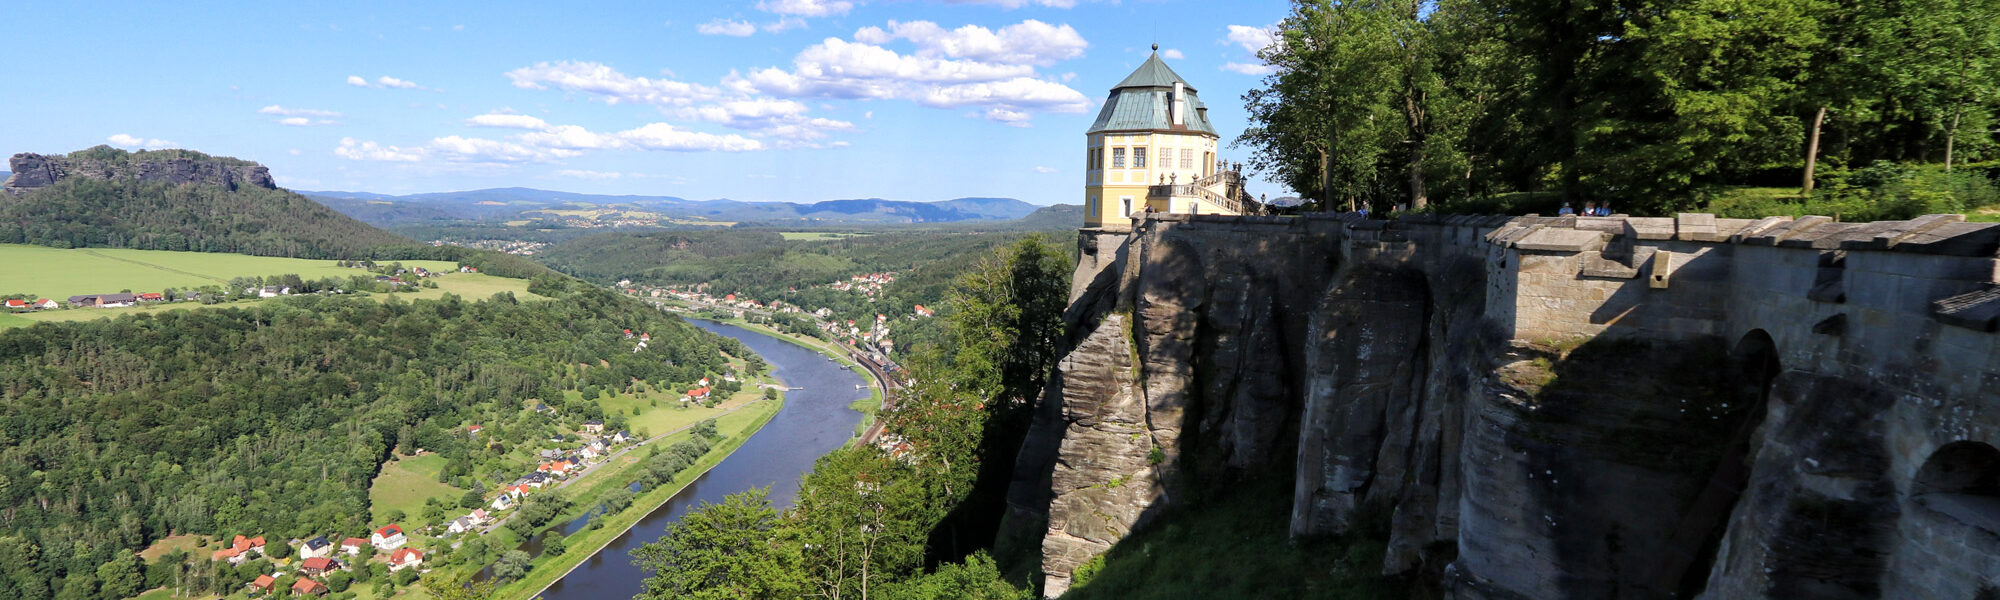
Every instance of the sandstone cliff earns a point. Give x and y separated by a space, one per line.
1546 407
32 171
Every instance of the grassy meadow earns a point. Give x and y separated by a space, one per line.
406 483
60 273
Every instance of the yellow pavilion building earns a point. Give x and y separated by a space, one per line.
1152 146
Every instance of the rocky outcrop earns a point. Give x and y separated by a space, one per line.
177 167
1546 407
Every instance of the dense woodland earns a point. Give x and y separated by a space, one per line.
1871 108
273 420
916 528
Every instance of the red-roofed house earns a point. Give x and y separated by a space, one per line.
317 565
405 558
700 393
152 296
308 587
479 516
352 546
240 549
45 304
17 304
263 583
558 468
389 537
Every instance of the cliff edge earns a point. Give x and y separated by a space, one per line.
104 163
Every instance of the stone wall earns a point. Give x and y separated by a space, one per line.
1516 393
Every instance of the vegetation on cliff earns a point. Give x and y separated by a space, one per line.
909 517
1644 104
273 420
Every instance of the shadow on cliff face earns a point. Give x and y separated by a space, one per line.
1631 455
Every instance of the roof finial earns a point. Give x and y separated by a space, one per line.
1156 47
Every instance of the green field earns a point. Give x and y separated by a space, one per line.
405 484
60 273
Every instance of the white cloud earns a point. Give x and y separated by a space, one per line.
1172 54
131 141
478 150
662 136
391 82
1252 39
384 81
608 83
297 112
1030 42
1011 118
1044 169
357 150
1249 68
806 8
304 122
507 121
727 27
584 174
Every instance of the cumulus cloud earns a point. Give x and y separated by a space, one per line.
1252 39
352 149
507 121
1013 4
727 27
132 141
1172 54
608 84
836 68
304 122
1011 118
1040 169
806 8
297 112
1028 42
356 80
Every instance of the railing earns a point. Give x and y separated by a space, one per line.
1185 190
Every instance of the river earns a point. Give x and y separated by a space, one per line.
815 420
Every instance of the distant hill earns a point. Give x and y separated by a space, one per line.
186 200
172 200
573 209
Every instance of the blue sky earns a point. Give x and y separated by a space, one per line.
795 100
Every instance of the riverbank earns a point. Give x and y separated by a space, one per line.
869 407
590 540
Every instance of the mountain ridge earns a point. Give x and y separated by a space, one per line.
517 203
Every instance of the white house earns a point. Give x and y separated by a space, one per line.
405 558
504 502
460 525
389 537
316 548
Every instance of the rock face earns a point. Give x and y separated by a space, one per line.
1546 407
39 170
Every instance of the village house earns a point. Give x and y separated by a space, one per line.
506 500
152 297
352 546
593 426
240 549
459 525
479 516
590 452
263 584
316 547
44 304
620 437
473 429
558 468
308 587
17 304
389 537
318 565
405 558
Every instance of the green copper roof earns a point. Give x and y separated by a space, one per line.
1142 102
1154 73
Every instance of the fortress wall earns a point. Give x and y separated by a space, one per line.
1380 359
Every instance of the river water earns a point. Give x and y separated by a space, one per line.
815 420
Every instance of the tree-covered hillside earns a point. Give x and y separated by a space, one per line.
274 420
78 212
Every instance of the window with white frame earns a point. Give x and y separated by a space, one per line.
1187 158
1117 158
1125 205
1138 158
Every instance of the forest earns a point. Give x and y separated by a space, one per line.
273 420
1865 110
